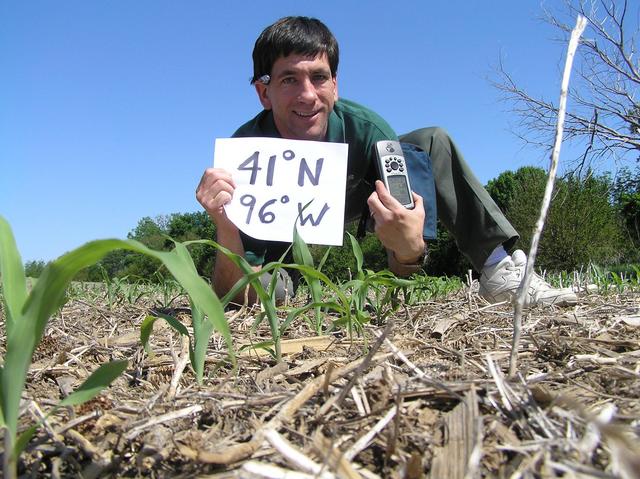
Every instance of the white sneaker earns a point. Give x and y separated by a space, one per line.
500 282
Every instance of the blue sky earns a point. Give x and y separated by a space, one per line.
109 109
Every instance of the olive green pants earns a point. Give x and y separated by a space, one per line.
464 206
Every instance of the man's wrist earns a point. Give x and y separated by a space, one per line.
407 268
416 257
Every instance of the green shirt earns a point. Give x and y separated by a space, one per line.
349 123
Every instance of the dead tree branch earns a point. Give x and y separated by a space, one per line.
605 108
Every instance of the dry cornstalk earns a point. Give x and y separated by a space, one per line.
241 451
261 470
365 439
295 457
180 364
581 23
171 416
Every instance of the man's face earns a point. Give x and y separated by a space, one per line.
301 95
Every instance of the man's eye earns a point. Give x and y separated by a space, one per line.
320 78
288 81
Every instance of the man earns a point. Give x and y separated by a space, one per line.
295 76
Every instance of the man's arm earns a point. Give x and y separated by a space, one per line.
398 229
214 191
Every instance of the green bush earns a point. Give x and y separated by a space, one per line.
155 233
445 258
33 269
583 225
626 194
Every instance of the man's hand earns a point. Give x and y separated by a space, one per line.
397 228
214 191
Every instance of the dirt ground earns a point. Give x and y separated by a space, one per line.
424 394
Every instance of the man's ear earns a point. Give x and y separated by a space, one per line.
263 95
335 87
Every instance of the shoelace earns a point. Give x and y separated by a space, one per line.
536 280
519 270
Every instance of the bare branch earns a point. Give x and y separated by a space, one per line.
605 110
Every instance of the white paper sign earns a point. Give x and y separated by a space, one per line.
275 178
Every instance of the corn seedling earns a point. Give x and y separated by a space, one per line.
314 279
635 278
351 300
114 288
371 291
266 296
26 314
86 291
168 291
123 290
350 303
302 255
425 288
252 278
341 305
618 281
135 291
611 281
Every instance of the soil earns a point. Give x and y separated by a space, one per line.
423 393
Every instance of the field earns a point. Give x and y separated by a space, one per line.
421 390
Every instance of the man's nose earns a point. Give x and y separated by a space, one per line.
307 90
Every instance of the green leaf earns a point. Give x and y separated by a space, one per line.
14 284
2 424
324 258
202 330
252 277
96 382
99 379
48 294
181 266
146 328
266 345
357 252
27 316
23 439
302 255
295 312
42 302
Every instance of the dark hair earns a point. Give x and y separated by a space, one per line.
301 35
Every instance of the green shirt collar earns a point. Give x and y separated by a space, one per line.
270 126
335 129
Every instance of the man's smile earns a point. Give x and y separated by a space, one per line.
306 115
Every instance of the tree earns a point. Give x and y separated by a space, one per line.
583 224
627 198
194 226
157 233
150 231
505 188
33 269
603 114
